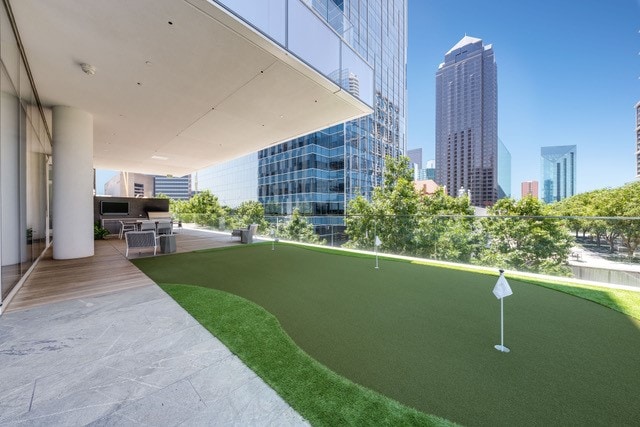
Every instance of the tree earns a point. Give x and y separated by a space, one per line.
520 237
391 214
298 228
203 209
628 200
445 229
249 212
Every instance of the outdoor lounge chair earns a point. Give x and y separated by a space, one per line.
141 239
245 234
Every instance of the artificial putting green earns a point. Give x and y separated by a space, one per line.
424 335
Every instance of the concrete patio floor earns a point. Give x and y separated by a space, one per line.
128 356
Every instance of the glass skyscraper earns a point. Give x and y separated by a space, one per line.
558 172
467 121
319 173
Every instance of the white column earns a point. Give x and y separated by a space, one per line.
72 204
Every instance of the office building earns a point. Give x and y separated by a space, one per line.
529 189
169 87
638 140
428 172
128 184
467 121
504 171
558 172
415 155
319 173
174 187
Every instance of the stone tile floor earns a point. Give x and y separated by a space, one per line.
128 358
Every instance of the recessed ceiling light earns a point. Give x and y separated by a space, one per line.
88 69
154 157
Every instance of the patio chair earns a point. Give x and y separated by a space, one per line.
141 239
146 225
127 226
247 235
165 226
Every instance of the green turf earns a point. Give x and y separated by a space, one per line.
424 335
316 392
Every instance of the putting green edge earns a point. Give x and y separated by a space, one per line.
320 395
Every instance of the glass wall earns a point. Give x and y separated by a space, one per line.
25 152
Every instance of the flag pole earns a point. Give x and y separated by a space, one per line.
375 243
501 347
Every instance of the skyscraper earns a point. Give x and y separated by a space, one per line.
319 173
467 121
558 170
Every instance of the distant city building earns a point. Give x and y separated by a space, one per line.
638 140
529 188
558 171
233 182
504 171
428 172
467 121
427 187
415 155
176 188
128 184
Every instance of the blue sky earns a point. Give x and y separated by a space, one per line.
568 73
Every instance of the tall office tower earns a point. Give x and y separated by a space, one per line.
415 155
467 121
319 173
558 172
638 140
529 188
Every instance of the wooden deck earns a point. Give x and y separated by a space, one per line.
106 272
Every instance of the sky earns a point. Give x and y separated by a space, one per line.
568 74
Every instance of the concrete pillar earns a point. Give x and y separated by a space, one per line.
72 175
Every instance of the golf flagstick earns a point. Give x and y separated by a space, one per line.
502 290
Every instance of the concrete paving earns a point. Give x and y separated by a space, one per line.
128 358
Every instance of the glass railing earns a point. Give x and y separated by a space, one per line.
593 249
317 32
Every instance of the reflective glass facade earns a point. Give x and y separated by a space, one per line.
25 153
558 172
504 171
320 172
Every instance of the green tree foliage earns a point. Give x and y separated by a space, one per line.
604 211
629 205
250 212
391 214
532 243
202 209
298 228
409 223
444 229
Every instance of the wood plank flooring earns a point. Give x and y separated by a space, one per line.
106 272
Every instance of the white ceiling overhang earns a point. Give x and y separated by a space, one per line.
179 84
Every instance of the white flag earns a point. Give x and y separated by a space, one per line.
502 288
378 241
